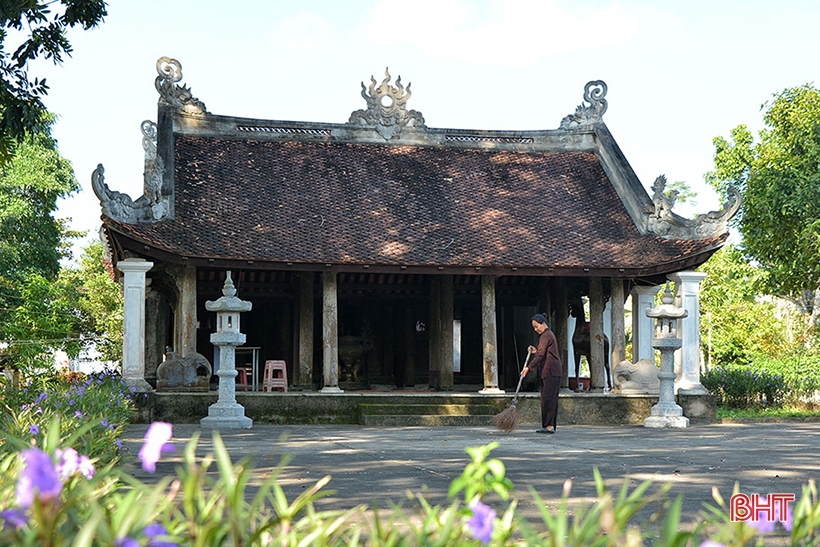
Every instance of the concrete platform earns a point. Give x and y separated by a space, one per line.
398 408
375 464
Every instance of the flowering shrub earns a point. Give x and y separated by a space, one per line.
54 496
93 409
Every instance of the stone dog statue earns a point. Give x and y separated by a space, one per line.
635 378
189 373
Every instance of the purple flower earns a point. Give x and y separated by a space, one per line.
86 467
14 517
71 463
78 414
158 434
127 542
119 444
710 543
481 524
788 524
104 423
38 479
155 531
34 429
764 526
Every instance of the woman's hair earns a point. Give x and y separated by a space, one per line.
540 318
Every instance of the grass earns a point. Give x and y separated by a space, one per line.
792 412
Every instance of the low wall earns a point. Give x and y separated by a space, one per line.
320 408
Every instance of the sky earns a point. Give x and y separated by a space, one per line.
679 73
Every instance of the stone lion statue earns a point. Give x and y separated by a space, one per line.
637 378
189 373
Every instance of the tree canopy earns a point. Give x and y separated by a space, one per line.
779 179
40 27
32 241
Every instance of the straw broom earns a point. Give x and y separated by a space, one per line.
507 419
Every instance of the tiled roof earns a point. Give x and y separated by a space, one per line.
346 203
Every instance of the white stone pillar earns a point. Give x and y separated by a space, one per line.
330 333
687 296
643 298
489 337
133 344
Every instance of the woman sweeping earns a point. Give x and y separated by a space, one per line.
547 364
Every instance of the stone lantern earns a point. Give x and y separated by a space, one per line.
667 413
226 413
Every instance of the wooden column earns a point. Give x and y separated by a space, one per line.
434 330
304 378
597 379
185 321
330 333
618 341
489 337
408 335
560 327
447 332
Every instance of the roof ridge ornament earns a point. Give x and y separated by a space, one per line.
661 221
386 111
594 93
153 205
171 94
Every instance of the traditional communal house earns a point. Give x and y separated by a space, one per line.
382 252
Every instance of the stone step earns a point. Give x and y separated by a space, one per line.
427 414
417 409
428 420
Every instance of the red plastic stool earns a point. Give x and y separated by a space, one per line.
276 376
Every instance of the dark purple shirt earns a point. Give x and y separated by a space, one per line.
546 360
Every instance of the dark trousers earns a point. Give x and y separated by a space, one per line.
550 386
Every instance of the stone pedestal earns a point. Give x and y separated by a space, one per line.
133 345
226 413
667 413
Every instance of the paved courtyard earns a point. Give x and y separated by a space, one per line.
377 465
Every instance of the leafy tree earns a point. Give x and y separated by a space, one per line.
32 241
737 325
45 318
684 192
41 27
100 302
779 179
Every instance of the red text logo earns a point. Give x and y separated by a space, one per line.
772 508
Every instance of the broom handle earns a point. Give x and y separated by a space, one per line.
520 377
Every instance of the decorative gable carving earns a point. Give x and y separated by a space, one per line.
386 111
152 206
171 94
594 93
660 220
